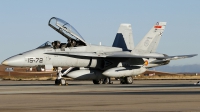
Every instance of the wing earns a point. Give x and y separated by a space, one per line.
102 55
123 54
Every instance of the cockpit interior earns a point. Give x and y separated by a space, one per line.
58 45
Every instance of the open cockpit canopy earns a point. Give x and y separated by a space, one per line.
66 30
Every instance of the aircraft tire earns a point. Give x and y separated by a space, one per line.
122 80
58 82
97 81
106 80
129 80
63 82
38 68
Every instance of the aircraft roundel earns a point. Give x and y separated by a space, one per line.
146 62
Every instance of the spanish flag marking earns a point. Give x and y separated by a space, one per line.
157 27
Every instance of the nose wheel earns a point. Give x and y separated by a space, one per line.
60 82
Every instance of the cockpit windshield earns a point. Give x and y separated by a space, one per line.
65 29
46 44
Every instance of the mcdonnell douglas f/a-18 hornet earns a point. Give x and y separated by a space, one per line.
96 62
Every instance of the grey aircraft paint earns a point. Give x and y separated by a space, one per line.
121 60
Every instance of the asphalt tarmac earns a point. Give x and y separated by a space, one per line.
143 95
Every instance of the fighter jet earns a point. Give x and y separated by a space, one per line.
96 62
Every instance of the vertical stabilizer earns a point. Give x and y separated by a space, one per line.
151 40
124 38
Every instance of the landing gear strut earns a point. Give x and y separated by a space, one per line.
126 80
59 80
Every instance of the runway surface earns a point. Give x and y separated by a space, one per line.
143 95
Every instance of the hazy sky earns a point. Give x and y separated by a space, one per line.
24 23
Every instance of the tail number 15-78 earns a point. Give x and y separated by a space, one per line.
35 60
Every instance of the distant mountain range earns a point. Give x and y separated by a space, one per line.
179 69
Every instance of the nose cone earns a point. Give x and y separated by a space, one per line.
17 60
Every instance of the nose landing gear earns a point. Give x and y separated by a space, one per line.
60 82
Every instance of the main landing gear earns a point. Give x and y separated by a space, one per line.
126 80
103 81
123 80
